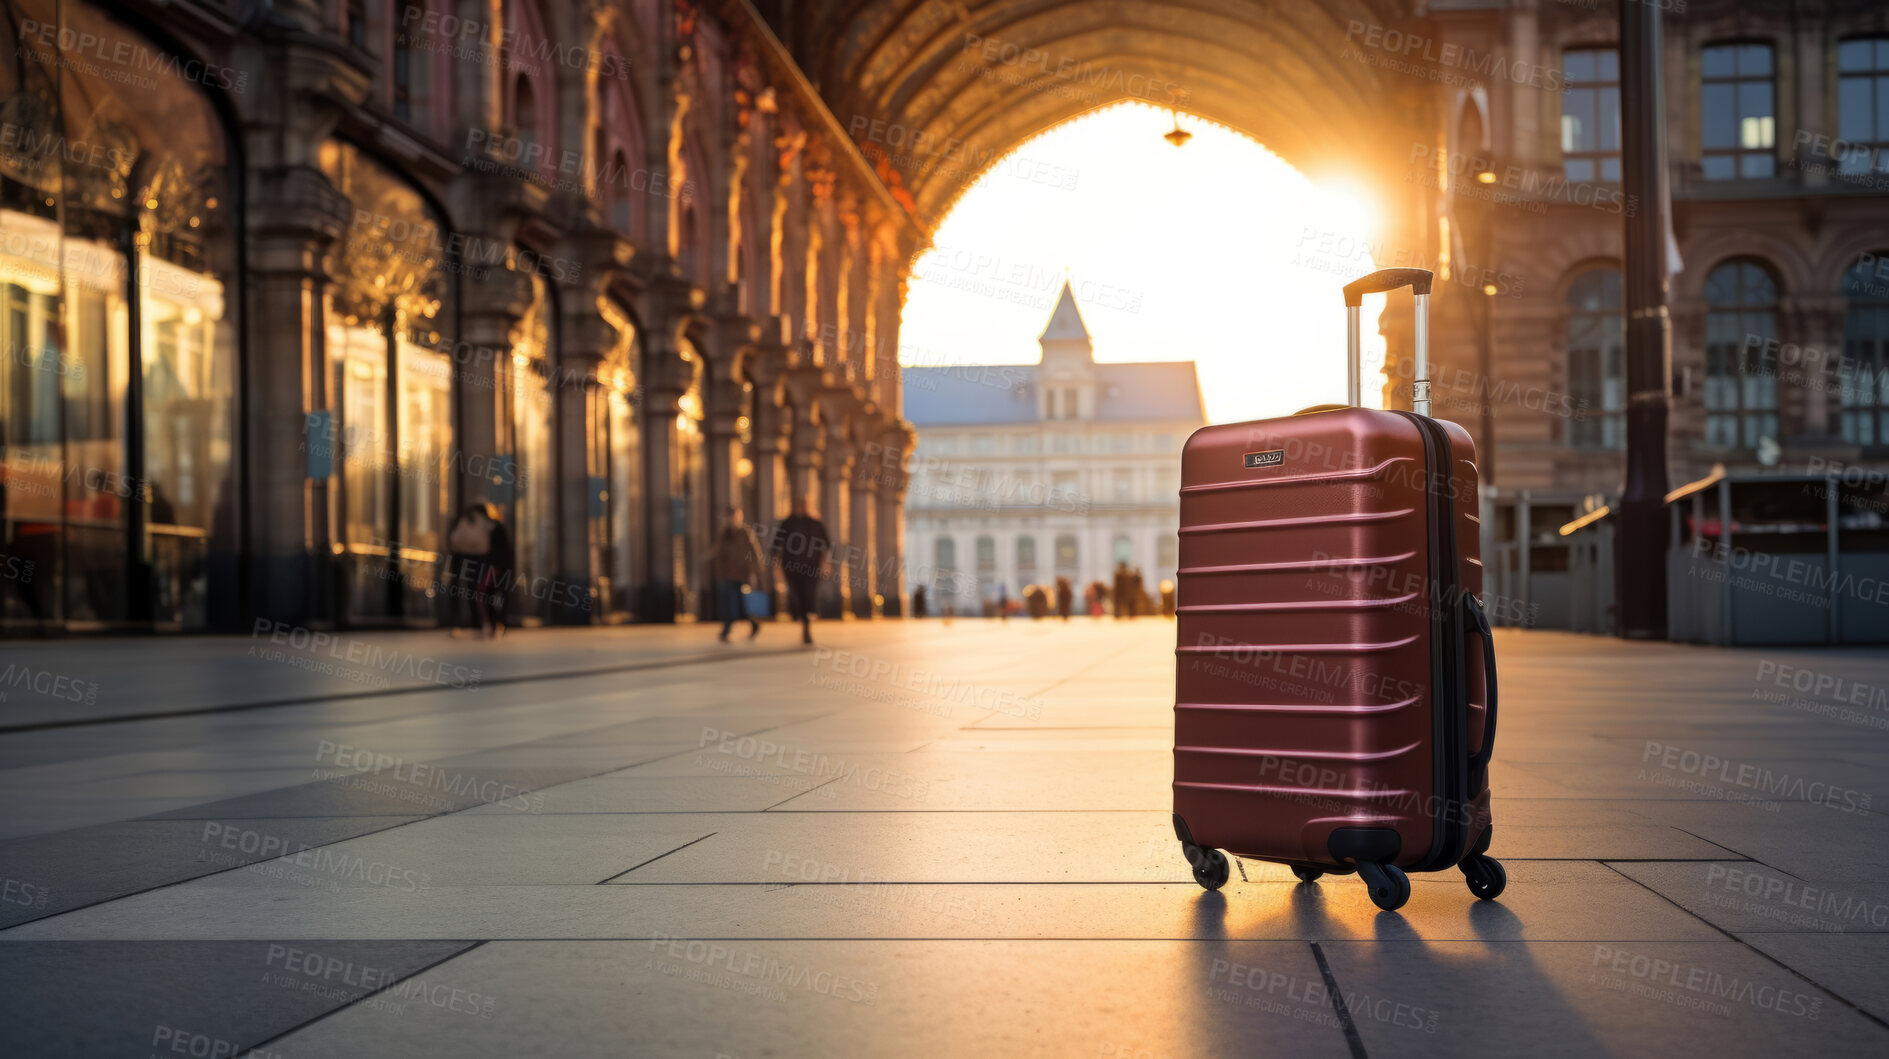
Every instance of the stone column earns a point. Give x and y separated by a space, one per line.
294 219
1815 371
859 538
836 463
767 432
667 375
728 343
889 526
495 300
803 384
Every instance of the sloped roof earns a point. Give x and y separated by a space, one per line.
978 394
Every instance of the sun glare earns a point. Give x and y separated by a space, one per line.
1217 251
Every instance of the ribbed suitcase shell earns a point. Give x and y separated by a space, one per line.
1303 670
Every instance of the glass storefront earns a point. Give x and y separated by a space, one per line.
391 391
534 508
118 324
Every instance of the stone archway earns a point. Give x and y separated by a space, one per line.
947 88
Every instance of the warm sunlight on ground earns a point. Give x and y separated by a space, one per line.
1217 251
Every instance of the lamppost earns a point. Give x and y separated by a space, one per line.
1641 568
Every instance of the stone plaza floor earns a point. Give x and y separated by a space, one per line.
917 839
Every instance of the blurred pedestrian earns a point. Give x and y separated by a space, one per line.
801 547
1123 584
737 565
1064 596
918 602
502 570
1003 601
494 570
468 542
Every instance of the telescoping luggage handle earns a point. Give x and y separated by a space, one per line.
1389 279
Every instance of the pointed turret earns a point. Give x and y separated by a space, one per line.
1065 321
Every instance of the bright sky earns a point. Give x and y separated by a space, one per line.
1217 252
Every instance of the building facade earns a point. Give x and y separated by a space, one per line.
287 285
1778 140
1024 473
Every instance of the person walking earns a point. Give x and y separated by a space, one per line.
495 583
800 546
1122 585
737 565
468 543
918 602
1064 596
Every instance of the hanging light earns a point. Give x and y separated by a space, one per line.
1177 135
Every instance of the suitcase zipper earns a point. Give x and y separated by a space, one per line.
1446 648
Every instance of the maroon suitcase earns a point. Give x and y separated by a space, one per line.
1335 692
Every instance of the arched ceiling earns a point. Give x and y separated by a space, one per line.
972 79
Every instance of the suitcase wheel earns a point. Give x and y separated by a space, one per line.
1211 869
1485 876
1307 874
1388 885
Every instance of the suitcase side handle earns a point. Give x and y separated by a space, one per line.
1389 279
1480 620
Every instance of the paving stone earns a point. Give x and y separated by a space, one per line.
871 998
145 998
1632 996
137 855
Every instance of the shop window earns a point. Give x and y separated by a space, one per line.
118 304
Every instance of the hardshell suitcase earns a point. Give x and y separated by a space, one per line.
1335 689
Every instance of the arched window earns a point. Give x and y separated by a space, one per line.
1026 560
1740 361
1597 359
118 237
1124 549
1864 374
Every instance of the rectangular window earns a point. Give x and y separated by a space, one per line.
1064 483
1738 125
1590 116
1124 485
1863 105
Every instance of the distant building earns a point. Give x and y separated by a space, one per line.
1023 473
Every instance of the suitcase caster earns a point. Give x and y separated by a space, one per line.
1485 876
1211 869
1387 884
1308 874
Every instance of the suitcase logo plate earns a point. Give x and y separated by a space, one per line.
1269 458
